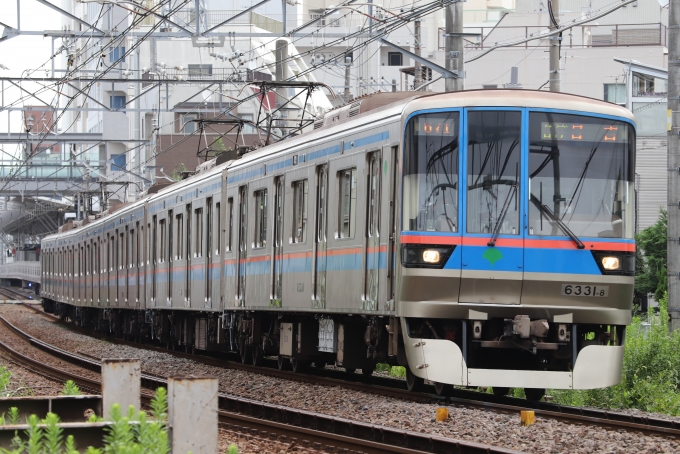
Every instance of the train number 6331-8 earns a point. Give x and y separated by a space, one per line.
585 290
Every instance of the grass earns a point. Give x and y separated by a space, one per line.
650 378
393 371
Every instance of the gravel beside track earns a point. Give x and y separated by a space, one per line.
499 429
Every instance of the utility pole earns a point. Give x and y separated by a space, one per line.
417 73
673 244
454 46
555 42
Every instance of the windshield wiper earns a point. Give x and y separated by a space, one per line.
504 211
545 209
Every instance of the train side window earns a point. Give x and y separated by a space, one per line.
230 224
198 236
300 193
179 225
161 224
133 248
218 242
348 202
260 219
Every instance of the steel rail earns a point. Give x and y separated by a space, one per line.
395 388
240 413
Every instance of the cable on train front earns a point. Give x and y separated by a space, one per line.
516 247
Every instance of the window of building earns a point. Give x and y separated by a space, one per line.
615 93
200 71
300 190
117 102
188 123
348 202
116 53
395 59
118 162
260 218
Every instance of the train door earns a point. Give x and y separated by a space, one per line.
320 237
196 260
126 264
209 232
346 243
88 273
242 252
372 245
390 154
277 250
170 255
138 262
188 251
492 253
153 262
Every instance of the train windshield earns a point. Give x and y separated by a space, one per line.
431 173
581 172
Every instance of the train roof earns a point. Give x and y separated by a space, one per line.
517 98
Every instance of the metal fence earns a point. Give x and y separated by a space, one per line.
28 271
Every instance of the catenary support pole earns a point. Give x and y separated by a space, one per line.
673 245
348 66
454 47
418 75
555 47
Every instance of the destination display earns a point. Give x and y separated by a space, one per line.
437 127
582 132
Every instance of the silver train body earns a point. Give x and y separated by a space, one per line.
355 244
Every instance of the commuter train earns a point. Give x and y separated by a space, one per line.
479 238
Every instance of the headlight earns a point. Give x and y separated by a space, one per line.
615 262
431 256
425 256
610 263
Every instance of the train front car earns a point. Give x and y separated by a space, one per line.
516 242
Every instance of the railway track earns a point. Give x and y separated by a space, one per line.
313 430
394 388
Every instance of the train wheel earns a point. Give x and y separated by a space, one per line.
256 355
350 370
281 361
319 364
534 394
413 383
442 389
500 391
298 364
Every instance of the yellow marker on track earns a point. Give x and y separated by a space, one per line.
528 417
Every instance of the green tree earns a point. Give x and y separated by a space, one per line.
651 272
177 173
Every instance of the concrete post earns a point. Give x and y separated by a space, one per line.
192 414
121 384
673 245
454 46
555 47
